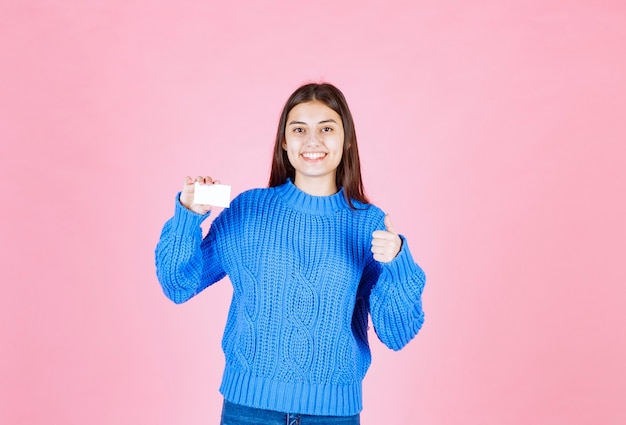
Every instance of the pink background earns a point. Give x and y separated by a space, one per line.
492 132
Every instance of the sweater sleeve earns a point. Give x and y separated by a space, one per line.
395 299
185 262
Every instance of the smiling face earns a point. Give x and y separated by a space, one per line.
314 140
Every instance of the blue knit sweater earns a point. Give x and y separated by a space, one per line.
304 280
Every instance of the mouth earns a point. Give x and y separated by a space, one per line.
314 156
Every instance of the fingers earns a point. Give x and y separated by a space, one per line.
187 195
204 180
189 182
385 250
384 235
386 244
199 179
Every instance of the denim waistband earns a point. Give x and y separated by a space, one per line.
236 414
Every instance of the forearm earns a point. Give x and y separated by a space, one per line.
396 300
180 260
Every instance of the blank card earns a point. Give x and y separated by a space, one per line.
217 195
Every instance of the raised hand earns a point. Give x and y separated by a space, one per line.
386 243
186 195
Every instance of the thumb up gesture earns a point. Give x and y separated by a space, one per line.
386 243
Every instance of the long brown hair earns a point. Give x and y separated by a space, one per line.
348 174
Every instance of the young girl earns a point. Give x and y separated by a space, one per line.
309 258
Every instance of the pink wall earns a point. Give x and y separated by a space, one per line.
492 132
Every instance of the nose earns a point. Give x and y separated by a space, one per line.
313 139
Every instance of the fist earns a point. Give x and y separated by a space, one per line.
186 195
386 243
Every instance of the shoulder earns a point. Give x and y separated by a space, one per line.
369 213
369 209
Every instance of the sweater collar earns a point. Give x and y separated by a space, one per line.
302 201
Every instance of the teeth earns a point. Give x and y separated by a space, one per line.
313 155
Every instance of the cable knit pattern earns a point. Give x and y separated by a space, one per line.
304 281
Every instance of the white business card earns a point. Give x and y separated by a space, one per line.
217 195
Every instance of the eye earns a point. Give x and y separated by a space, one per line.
327 129
298 130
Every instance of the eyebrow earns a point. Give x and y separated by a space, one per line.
321 122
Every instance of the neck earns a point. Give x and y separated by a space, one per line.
316 186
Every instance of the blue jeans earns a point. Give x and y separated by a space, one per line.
234 414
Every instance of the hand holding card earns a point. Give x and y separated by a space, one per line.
218 197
